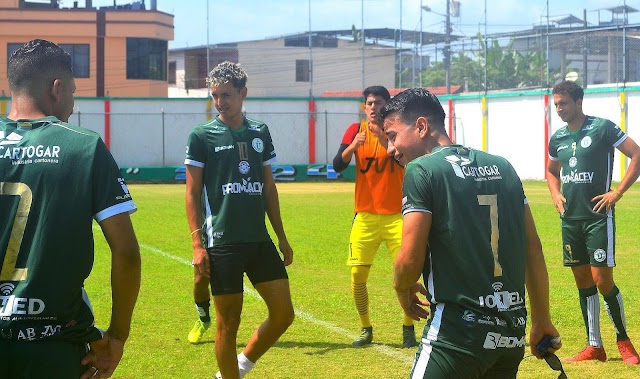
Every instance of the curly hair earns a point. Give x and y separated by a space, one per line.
228 72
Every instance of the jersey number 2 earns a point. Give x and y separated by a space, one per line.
9 270
492 202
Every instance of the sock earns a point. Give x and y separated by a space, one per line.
590 305
359 275
407 321
615 309
203 311
244 363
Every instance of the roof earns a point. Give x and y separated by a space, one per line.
393 35
440 90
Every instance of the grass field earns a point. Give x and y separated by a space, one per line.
317 218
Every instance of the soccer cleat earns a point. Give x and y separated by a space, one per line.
196 333
366 336
628 352
408 336
590 353
242 374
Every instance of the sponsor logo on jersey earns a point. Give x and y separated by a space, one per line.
577 177
469 317
520 322
222 148
562 147
125 189
585 142
11 139
502 300
258 145
244 167
599 255
247 186
1 134
495 341
12 305
30 152
462 169
254 128
573 161
486 320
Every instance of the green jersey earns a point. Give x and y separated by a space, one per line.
475 263
55 179
233 160
586 159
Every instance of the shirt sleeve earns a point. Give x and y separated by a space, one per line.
613 134
417 195
196 149
553 152
269 152
350 133
110 193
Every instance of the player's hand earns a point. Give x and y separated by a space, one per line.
413 306
103 357
287 252
538 332
359 139
559 201
605 201
201 263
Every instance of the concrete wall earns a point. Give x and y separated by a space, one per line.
153 132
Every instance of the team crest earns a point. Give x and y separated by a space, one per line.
573 161
244 167
586 142
258 145
599 255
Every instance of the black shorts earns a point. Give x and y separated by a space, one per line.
41 359
260 260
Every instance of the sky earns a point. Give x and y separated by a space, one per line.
247 20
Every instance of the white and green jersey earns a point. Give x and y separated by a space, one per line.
475 261
55 179
586 159
232 159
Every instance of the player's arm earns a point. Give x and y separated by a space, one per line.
537 282
410 261
553 182
272 207
350 143
105 354
605 201
193 200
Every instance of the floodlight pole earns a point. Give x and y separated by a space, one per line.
420 57
208 60
447 50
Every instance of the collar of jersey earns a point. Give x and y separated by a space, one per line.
35 123
232 130
442 147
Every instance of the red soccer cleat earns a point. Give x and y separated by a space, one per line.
590 353
628 352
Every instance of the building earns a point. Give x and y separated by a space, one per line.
117 51
301 64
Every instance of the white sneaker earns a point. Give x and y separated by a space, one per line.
242 374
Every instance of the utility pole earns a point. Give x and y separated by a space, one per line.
447 49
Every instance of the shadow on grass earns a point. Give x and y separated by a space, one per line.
319 348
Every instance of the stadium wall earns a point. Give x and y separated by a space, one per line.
150 133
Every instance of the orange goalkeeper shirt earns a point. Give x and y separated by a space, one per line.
378 176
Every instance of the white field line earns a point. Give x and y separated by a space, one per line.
300 314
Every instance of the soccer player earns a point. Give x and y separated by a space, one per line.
378 197
55 179
468 229
229 188
581 157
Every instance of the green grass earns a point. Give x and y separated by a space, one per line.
317 218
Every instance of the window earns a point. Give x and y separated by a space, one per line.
303 72
79 57
172 72
146 59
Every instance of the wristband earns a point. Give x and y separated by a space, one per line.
196 231
617 193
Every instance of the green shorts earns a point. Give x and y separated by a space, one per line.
457 343
589 242
41 359
368 232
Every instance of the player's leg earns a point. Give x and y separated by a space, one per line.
363 246
201 297
391 229
227 273
269 277
576 257
601 247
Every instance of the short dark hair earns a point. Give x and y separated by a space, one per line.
413 103
567 87
376 91
36 63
